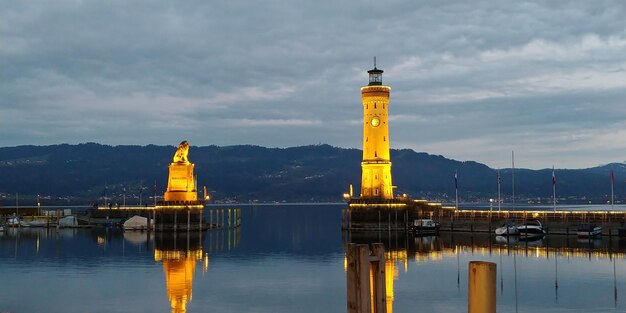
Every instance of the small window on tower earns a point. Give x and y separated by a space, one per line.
374 105
383 106
384 138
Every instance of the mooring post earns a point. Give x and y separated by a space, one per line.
188 221
58 220
175 221
358 279
481 291
349 218
396 224
148 230
365 278
379 285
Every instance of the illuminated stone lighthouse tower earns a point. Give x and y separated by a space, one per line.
376 165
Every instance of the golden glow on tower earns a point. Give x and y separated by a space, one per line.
181 185
376 164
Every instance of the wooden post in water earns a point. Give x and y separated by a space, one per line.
378 283
175 222
396 224
361 295
481 290
188 222
148 230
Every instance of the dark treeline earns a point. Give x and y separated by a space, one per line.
86 172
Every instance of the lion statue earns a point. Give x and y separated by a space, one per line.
181 153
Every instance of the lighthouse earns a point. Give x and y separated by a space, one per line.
376 164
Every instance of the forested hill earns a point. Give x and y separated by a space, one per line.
317 173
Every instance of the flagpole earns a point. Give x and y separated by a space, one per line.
553 190
456 190
612 182
513 177
499 202
155 193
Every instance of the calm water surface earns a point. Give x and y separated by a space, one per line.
291 259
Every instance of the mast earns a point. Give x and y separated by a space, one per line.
17 210
513 176
612 183
456 190
553 190
499 202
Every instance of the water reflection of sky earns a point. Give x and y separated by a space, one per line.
291 259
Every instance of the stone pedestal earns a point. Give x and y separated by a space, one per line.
181 185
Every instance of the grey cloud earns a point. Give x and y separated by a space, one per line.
470 80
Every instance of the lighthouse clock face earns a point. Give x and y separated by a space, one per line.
375 122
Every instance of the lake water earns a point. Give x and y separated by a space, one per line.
291 259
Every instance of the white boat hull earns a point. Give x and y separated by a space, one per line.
531 231
597 231
507 231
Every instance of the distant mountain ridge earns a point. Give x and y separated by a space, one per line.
86 172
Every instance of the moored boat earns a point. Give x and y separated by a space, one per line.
531 230
36 223
425 227
16 222
137 223
507 229
585 230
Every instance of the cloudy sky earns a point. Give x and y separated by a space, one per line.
471 80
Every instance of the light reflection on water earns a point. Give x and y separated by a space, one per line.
291 259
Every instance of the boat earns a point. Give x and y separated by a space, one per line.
531 230
37 223
425 227
137 223
588 230
507 229
16 222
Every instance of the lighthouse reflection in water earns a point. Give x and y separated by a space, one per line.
179 253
